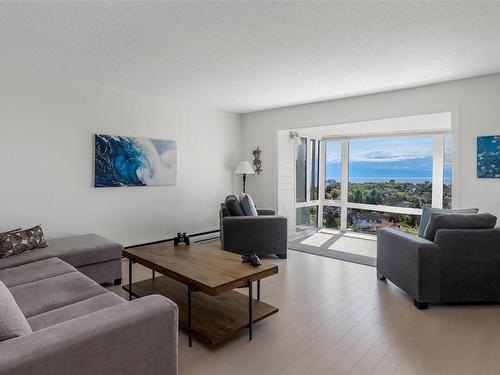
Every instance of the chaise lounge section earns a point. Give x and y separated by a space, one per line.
93 255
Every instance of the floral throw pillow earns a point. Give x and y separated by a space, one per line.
17 242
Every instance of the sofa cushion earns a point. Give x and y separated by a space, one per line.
233 206
54 292
458 221
247 205
78 251
15 242
12 321
427 210
74 310
35 271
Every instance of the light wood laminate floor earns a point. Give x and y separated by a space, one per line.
337 318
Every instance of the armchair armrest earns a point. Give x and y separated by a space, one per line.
137 337
265 212
259 234
410 262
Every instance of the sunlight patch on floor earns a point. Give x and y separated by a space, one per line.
317 239
355 246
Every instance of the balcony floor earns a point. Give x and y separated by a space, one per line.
348 246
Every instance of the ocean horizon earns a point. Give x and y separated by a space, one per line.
411 179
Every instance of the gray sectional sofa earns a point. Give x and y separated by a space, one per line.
80 328
93 255
72 325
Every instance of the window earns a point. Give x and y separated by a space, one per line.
307 171
393 171
332 170
331 217
362 184
368 221
300 170
307 217
447 171
314 170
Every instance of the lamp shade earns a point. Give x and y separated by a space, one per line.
244 168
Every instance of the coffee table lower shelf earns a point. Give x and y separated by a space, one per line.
214 318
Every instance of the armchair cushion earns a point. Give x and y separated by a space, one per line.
233 206
458 221
247 205
427 210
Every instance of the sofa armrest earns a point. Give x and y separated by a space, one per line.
265 212
137 337
410 262
259 234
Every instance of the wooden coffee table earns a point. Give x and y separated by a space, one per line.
219 311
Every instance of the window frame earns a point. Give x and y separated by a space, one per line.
438 149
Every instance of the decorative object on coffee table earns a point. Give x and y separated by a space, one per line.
218 312
181 238
252 259
244 168
257 163
488 156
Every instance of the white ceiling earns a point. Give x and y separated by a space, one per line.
249 56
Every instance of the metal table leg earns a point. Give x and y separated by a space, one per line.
250 318
258 290
130 279
153 274
190 290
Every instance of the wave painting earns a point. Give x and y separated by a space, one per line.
126 161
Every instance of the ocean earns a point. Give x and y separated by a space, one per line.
413 180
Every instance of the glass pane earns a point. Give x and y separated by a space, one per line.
331 217
307 217
393 171
368 221
448 144
332 170
314 168
300 170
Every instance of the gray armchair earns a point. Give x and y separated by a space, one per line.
459 265
263 234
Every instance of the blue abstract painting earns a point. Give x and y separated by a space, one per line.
488 157
126 161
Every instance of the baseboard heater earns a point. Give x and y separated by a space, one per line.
190 235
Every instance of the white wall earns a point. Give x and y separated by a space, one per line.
46 161
475 109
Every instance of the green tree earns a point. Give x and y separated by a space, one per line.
359 196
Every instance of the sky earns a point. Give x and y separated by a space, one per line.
382 159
